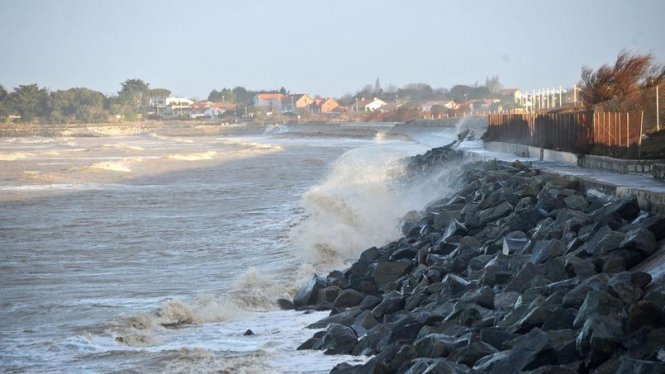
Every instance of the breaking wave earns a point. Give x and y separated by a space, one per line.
199 360
192 156
360 204
117 166
14 156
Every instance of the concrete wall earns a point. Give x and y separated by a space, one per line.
622 166
532 152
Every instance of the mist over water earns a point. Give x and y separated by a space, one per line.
156 253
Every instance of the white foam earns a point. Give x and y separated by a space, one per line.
192 156
14 156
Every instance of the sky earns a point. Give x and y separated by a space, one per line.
317 47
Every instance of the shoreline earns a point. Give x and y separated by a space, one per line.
516 271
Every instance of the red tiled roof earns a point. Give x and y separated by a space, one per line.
271 96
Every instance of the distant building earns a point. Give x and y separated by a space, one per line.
210 109
368 105
448 104
170 106
291 103
272 101
514 93
325 105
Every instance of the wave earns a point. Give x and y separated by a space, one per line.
14 156
276 129
192 156
360 204
124 146
197 360
118 166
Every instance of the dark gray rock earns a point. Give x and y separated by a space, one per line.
285 304
369 302
496 337
493 214
524 352
544 250
483 296
345 318
338 339
559 319
527 273
634 366
438 345
598 302
328 294
644 313
536 317
640 240
580 268
308 293
598 339
364 322
656 225
348 298
386 272
576 202
248 333
434 366
472 352
627 208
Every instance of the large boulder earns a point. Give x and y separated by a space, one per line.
640 240
308 293
598 302
338 339
438 345
599 337
348 298
386 272
544 250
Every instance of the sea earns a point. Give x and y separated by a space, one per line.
155 253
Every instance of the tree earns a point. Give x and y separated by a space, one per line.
3 97
493 85
160 92
28 101
630 73
377 87
134 94
77 105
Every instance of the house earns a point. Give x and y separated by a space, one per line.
368 105
171 106
449 104
324 105
272 101
210 109
513 93
291 103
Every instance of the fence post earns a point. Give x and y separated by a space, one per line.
639 142
657 110
627 133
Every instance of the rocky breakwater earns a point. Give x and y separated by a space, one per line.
516 272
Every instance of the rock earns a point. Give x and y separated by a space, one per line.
386 272
438 345
656 225
644 313
627 208
338 339
558 320
523 353
576 202
308 293
454 228
575 297
348 298
369 255
598 339
391 303
505 299
364 322
513 245
472 352
369 302
493 214
528 272
434 366
634 366
483 296
544 250
496 337
536 317
248 333
610 242
622 287
345 318
453 284
404 330
640 240
579 268
328 294
285 304
641 279
597 302
406 353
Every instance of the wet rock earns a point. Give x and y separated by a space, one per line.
496 337
348 298
369 302
345 318
640 240
575 297
641 279
308 293
338 339
598 302
364 322
627 208
483 296
434 366
248 333
386 272
404 330
285 304
598 339
328 294
472 352
391 303
622 287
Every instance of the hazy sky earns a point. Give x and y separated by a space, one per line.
317 47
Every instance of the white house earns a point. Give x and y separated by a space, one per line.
369 105
173 106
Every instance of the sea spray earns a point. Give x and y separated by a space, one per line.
360 204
